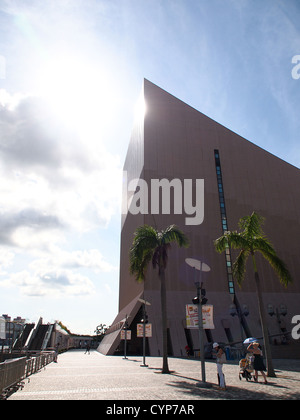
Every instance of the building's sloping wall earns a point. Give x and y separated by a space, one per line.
180 142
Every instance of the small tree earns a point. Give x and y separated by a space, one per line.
100 331
250 240
149 245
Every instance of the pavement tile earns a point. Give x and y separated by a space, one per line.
79 376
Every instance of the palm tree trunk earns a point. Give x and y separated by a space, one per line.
270 369
163 296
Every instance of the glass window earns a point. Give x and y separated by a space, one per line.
224 220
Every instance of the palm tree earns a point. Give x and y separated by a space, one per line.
151 245
250 240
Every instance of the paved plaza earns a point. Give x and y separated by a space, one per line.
80 376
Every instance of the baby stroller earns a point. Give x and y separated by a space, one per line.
246 367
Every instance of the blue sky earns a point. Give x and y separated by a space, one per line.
70 75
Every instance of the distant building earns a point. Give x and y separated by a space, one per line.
176 142
13 328
18 336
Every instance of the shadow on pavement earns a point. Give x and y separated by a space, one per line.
232 392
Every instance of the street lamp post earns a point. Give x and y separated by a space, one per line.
200 266
200 325
125 338
144 302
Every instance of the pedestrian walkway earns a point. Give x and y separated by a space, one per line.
80 376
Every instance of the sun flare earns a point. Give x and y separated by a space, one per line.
79 92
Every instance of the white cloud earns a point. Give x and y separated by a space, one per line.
54 283
6 260
90 259
52 180
55 181
57 273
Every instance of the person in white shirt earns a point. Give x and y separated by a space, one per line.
221 358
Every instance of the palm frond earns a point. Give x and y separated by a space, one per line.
145 237
173 234
150 245
263 244
141 270
231 239
278 266
144 243
252 225
221 243
145 234
239 266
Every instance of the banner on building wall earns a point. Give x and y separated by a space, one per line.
207 316
128 335
140 330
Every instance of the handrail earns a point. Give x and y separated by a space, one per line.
13 371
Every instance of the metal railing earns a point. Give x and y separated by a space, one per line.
14 371
34 364
11 373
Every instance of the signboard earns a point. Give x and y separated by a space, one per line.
2 328
128 335
191 316
140 330
207 316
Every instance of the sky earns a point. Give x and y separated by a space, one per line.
71 72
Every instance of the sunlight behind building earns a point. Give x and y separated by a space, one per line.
80 93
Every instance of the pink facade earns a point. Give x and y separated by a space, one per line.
176 142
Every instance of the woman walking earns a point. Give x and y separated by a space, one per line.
258 363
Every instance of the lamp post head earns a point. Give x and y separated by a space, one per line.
197 264
144 302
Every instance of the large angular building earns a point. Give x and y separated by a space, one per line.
215 177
